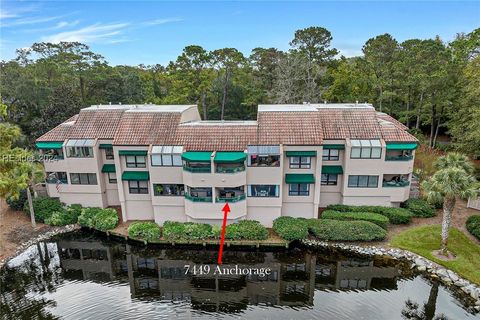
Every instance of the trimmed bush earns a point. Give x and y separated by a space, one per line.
376 218
106 219
186 231
98 218
335 230
44 207
18 204
395 215
473 226
251 230
419 208
290 228
62 218
144 230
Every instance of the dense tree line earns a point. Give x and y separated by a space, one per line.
430 85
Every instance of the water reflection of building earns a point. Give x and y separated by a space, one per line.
92 260
160 274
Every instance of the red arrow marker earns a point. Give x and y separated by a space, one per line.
226 210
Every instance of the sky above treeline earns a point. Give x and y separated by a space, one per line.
151 32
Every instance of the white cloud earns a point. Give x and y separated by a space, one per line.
66 24
156 22
30 20
89 34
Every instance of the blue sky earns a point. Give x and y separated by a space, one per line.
149 32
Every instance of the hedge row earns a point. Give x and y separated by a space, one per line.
98 218
394 215
419 208
375 218
65 216
44 207
335 230
145 230
290 228
473 226
244 229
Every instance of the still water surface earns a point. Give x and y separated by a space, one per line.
83 276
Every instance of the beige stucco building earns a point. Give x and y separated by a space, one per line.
164 163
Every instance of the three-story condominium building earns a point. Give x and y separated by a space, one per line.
165 163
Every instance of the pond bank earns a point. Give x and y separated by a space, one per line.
429 268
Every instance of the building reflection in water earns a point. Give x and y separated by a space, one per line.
159 274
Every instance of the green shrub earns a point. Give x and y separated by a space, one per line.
376 218
44 207
335 230
419 208
290 228
197 231
18 203
62 218
186 231
473 226
395 215
251 230
106 219
144 230
98 218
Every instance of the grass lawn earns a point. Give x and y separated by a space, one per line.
423 240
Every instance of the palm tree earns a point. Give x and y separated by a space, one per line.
454 159
453 179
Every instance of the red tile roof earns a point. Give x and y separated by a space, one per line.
208 137
391 119
300 128
145 128
60 132
351 123
100 124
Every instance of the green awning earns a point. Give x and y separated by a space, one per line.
301 153
105 146
229 157
334 146
197 156
332 169
401 146
132 152
108 168
299 178
49 145
135 175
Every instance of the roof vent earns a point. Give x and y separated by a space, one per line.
110 102
324 101
120 103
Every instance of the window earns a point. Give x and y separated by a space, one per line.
83 178
263 190
167 156
56 177
329 179
168 189
300 162
363 181
53 154
138 187
80 148
366 149
263 156
330 154
135 161
112 177
109 154
257 160
299 189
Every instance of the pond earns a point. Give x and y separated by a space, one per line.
84 276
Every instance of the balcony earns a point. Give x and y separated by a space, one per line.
199 169
399 158
198 198
229 169
231 199
395 184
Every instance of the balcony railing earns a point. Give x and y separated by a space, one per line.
231 199
197 169
198 199
398 158
230 169
395 184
